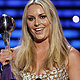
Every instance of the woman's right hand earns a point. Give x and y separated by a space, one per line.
5 56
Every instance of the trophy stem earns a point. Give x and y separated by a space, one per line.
6 38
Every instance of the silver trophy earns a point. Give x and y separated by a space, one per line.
7 25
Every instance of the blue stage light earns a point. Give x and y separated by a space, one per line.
66 3
75 19
71 33
2 44
0 12
18 23
65 13
16 34
0 36
68 12
76 12
20 12
75 43
14 43
1 3
76 25
11 12
65 23
62 3
16 3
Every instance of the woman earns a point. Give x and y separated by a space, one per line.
44 53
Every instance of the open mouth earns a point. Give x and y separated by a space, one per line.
38 29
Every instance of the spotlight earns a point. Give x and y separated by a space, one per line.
75 19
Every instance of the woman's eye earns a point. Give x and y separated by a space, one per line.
42 17
30 19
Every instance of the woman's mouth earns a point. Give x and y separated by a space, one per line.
39 30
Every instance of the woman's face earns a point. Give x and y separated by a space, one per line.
38 23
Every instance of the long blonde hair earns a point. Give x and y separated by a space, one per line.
58 49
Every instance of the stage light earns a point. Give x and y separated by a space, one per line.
75 43
75 19
71 33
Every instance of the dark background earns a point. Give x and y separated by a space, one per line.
66 9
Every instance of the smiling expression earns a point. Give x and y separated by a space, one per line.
38 22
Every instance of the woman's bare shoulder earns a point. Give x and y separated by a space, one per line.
74 54
74 64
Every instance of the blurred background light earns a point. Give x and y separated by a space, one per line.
75 19
16 34
71 33
75 43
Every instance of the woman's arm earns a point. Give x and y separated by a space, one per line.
74 64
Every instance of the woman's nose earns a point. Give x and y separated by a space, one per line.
37 22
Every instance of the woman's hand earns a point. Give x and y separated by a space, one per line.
5 56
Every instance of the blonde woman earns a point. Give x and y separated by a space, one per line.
44 53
